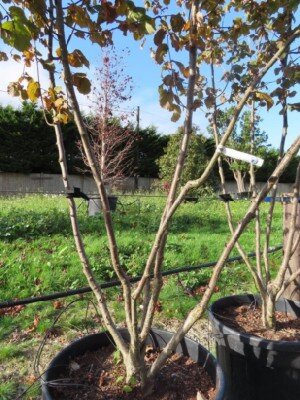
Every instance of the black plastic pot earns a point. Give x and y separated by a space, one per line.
112 201
158 338
256 368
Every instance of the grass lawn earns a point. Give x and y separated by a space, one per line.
37 256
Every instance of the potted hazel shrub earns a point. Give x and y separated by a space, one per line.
258 336
196 28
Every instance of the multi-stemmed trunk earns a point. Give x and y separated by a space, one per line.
133 352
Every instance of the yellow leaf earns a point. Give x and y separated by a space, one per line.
62 117
33 90
264 97
59 103
77 59
52 95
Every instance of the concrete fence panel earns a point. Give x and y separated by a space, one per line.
11 183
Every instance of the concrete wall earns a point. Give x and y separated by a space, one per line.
282 187
11 183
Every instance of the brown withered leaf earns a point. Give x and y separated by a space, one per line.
57 305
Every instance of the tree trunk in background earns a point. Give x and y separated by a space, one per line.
293 290
240 181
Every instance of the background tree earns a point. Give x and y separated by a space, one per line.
27 144
271 156
241 139
195 162
24 129
111 134
150 146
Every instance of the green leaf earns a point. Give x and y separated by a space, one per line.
150 27
16 35
117 357
119 379
39 7
127 389
133 381
19 17
136 15
18 14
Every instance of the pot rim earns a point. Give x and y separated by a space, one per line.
220 382
256 341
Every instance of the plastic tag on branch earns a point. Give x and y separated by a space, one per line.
239 155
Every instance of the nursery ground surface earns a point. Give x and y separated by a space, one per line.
37 256
180 379
247 319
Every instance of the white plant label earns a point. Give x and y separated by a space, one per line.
239 155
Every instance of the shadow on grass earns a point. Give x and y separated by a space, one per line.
27 224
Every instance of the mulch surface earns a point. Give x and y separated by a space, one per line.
247 319
180 379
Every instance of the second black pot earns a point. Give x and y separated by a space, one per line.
256 368
157 338
112 201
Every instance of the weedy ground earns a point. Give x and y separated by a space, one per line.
37 256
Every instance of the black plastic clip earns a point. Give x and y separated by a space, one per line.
77 193
226 197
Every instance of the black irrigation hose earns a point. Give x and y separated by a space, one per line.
106 285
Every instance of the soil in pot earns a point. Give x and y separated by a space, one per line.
96 376
247 319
